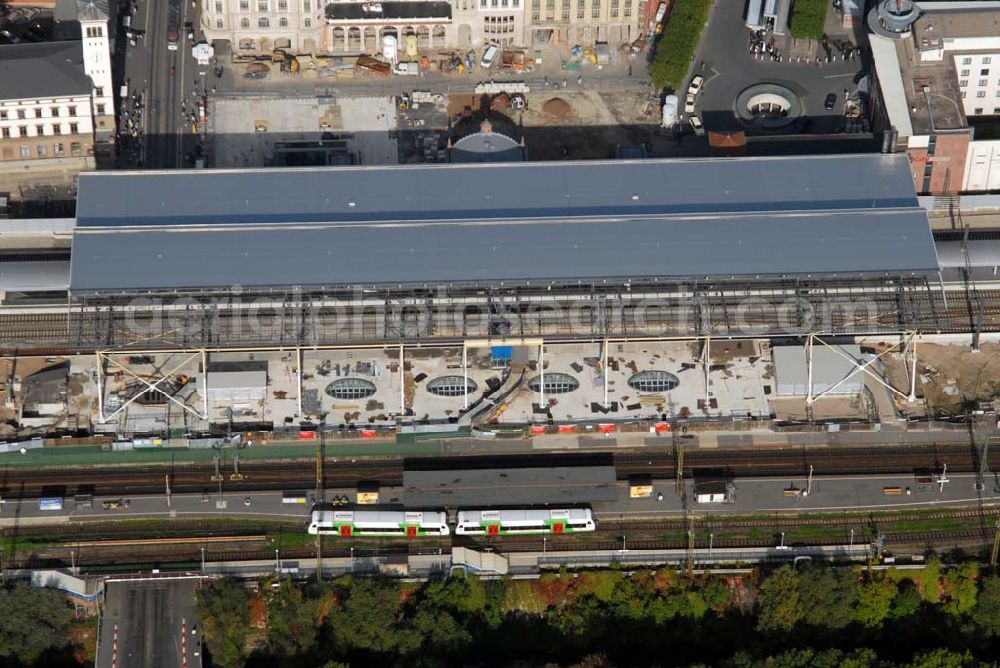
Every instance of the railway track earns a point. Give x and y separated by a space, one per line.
73 331
16 482
91 546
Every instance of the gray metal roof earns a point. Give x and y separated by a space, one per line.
34 276
479 191
844 243
43 70
509 487
982 253
829 368
848 215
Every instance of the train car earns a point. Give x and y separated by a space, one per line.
50 503
410 524
504 522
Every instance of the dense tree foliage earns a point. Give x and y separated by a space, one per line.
34 627
813 615
808 18
676 47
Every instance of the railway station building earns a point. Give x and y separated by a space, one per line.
538 293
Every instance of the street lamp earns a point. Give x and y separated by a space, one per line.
203 560
277 562
544 544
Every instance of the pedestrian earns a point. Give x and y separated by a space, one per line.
630 70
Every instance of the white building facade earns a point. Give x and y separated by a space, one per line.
979 76
47 117
348 27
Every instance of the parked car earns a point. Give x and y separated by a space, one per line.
255 75
699 129
696 84
407 69
831 101
489 56
689 104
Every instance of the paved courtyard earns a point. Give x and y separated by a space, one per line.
725 61
245 130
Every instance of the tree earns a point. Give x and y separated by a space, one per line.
35 620
960 589
464 594
779 601
986 613
874 602
942 658
369 618
442 634
291 626
808 17
828 597
907 600
224 608
680 40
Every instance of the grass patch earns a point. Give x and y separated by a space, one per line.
290 540
808 18
22 544
679 42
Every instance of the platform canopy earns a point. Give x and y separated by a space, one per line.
549 222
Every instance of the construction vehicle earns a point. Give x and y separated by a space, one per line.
288 62
373 66
512 60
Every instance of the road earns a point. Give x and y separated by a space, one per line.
150 623
234 85
168 82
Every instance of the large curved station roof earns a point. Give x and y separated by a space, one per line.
560 221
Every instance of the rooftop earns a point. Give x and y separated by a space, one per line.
845 216
509 487
402 9
534 190
46 69
924 59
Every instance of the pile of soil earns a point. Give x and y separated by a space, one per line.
558 107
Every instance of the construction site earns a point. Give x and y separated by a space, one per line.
187 395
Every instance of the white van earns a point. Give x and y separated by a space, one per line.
489 56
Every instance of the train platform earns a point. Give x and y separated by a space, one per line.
92 455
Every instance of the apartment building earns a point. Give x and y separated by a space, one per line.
350 27
584 22
46 113
937 74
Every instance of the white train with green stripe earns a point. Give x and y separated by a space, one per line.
417 524
402 523
524 521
